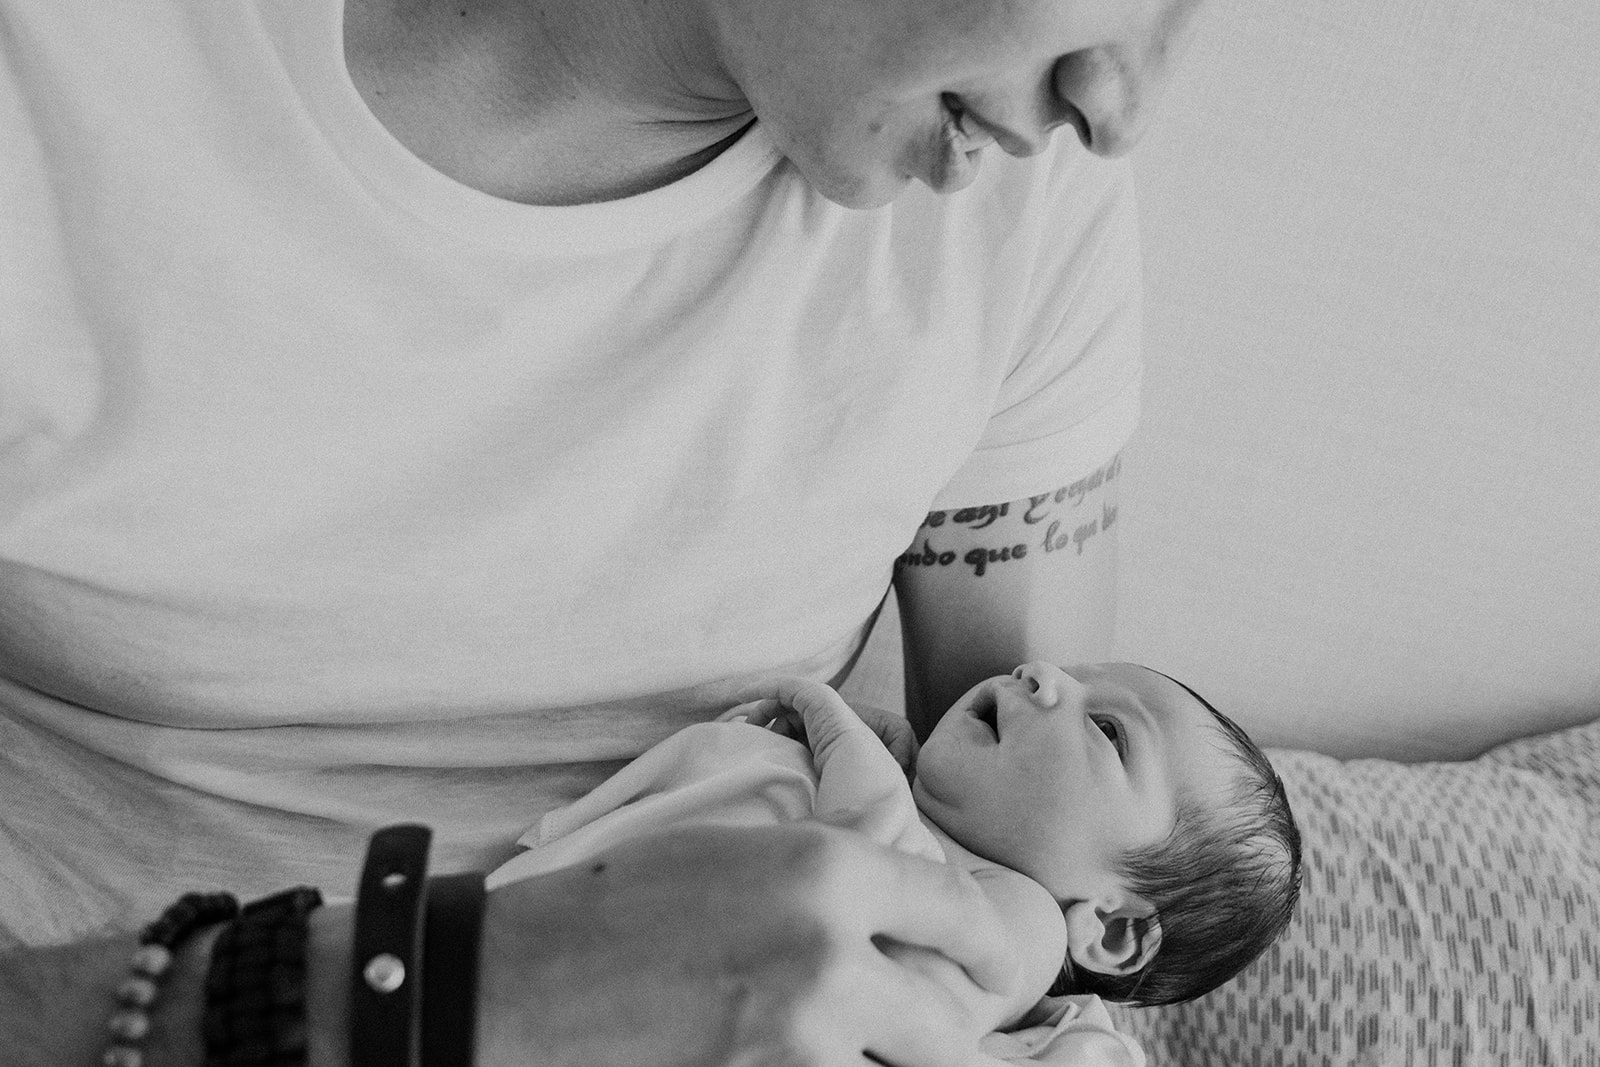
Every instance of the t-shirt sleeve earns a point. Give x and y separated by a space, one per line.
1070 399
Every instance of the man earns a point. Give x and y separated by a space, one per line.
422 426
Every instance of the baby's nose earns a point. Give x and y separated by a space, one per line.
1043 681
1051 686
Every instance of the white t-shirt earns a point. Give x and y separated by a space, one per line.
333 492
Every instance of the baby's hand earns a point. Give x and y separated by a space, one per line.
894 731
817 716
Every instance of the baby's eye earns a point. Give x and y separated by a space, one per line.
1114 733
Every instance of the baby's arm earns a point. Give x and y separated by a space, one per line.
858 778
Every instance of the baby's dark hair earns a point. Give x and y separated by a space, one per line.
1224 884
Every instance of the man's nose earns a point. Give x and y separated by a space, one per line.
1104 98
1109 93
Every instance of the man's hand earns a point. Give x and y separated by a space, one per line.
719 945
795 944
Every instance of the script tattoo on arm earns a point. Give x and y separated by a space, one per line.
1057 522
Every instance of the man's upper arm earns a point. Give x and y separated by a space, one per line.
982 589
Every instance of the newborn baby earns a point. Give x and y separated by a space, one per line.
1136 843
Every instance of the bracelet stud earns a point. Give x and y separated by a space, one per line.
384 973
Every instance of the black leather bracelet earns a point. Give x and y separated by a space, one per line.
385 983
453 932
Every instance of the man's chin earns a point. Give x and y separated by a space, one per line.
859 192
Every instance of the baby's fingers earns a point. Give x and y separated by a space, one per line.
768 713
754 712
894 731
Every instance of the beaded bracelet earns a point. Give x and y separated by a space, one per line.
255 984
158 944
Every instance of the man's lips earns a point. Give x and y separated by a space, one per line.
971 134
977 131
952 156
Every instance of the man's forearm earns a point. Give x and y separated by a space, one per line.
983 589
54 1002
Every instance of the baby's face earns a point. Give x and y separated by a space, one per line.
1057 773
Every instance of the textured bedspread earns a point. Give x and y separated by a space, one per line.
1451 915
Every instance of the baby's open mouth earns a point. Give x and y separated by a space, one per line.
986 712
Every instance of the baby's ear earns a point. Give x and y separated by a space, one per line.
1114 936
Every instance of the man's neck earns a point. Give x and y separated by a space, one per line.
546 103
